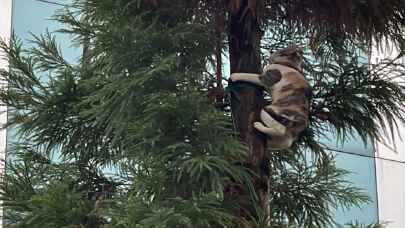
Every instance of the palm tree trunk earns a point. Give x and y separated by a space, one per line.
247 102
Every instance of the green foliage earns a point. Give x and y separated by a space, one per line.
300 187
355 96
194 212
374 225
136 106
127 137
43 193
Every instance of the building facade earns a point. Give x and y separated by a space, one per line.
378 168
390 160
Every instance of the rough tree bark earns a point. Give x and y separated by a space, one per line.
246 103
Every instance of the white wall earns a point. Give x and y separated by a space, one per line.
5 29
390 165
391 192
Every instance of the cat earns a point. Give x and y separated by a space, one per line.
288 114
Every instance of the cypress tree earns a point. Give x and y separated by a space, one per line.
129 136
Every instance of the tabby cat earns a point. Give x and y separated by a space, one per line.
287 115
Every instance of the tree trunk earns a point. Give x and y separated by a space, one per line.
247 102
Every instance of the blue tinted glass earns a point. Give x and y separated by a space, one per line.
363 176
33 16
353 144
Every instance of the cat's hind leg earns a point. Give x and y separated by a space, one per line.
269 126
